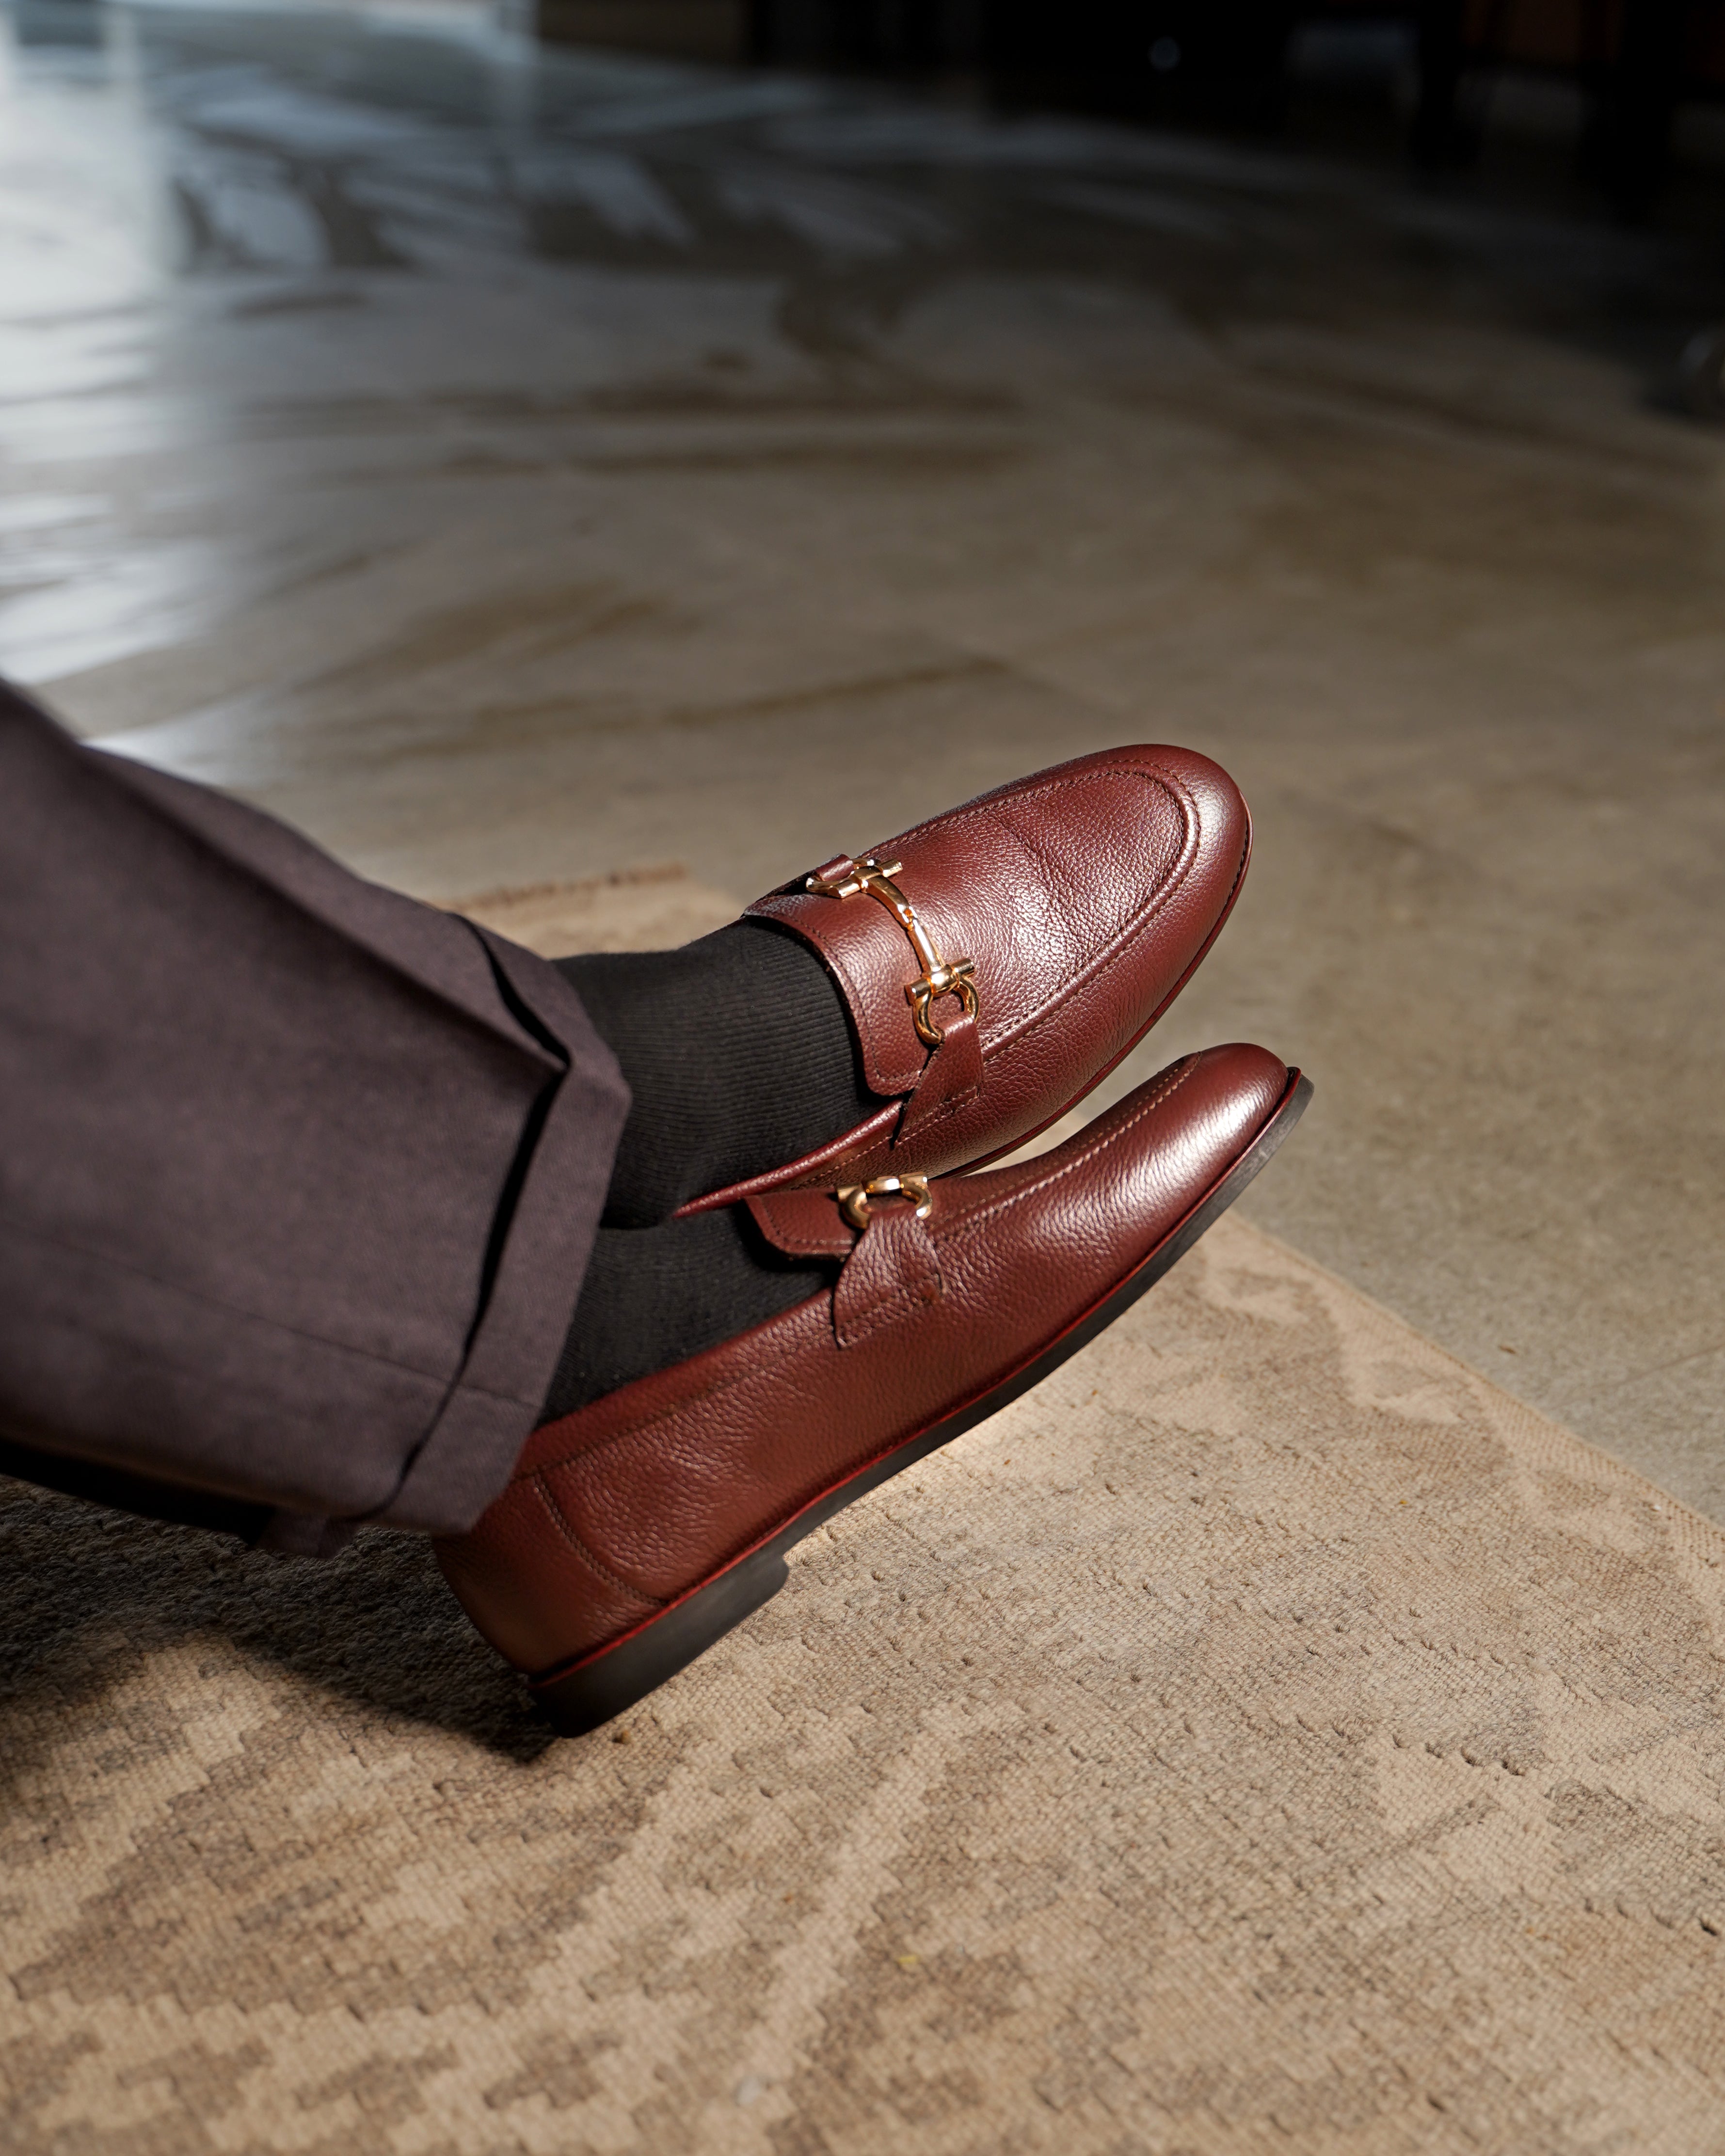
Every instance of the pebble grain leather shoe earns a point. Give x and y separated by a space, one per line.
998 960
639 1529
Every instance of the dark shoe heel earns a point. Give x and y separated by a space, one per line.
612 1680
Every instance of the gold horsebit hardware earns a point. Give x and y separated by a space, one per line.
854 1198
938 978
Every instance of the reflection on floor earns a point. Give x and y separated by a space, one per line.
518 468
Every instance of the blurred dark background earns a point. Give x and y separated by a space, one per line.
1240 64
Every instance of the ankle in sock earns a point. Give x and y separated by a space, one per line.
653 1296
739 1056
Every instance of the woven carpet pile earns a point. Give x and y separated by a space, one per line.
1265 1736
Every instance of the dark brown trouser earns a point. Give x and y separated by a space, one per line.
297 1177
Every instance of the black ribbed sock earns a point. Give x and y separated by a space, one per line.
739 1056
653 1295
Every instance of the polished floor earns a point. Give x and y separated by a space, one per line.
514 467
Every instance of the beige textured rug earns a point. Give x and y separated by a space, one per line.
645 909
1266 1735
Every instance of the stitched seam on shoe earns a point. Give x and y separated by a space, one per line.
877 1313
958 1234
964 1230
889 1296
1052 1005
583 1548
1049 1007
834 1154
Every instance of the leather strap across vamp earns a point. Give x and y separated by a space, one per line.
998 960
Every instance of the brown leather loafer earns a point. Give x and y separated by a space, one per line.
1000 959
637 1531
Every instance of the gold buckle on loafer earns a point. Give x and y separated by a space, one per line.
850 880
854 1198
